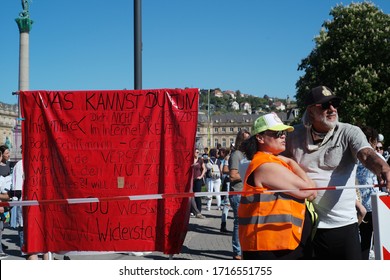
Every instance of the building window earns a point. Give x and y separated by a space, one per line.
223 142
215 142
223 129
231 129
231 141
215 129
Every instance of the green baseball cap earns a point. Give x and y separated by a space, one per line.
269 121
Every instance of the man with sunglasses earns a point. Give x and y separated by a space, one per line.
328 150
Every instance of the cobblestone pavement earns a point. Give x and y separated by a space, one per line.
203 241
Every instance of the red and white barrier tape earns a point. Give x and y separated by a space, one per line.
331 188
159 196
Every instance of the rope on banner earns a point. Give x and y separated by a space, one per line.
161 196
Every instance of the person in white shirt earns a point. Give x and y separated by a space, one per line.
328 151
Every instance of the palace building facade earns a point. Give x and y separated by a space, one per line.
9 131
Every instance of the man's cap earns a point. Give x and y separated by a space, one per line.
319 95
269 121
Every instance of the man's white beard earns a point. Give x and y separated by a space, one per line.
329 124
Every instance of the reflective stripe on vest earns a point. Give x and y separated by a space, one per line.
260 220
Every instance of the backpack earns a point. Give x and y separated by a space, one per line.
215 172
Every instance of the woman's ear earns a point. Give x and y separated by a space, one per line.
260 138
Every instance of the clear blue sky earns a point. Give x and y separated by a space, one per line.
253 46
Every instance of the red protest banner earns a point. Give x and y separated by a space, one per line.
80 144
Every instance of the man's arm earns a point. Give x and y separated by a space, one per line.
376 165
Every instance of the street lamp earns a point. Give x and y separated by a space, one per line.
208 119
137 45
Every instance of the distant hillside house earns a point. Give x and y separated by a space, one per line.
218 93
279 106
231 93
246 107
235 106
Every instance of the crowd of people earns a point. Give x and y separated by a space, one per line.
11 183
5 186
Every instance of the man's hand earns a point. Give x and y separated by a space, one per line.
384 179
376 165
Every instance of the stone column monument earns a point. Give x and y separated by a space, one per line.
24 24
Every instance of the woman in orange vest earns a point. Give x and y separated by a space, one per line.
273 225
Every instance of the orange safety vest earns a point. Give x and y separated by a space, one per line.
269 221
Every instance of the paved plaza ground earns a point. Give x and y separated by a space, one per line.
203 241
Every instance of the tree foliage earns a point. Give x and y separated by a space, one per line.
352 57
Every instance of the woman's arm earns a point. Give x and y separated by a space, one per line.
278 177
4 197
225 167
234 175
203 170
298 171
361 211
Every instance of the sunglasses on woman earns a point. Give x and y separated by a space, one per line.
275 134
325 106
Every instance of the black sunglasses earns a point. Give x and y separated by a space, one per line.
379 148
276 134
334 102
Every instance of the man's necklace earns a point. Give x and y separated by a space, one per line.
317 136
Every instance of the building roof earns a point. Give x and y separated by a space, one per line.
240 118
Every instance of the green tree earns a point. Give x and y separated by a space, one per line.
352 57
